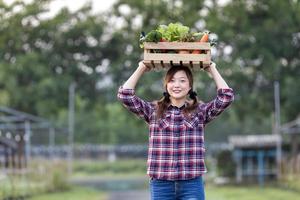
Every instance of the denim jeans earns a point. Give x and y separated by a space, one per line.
192 189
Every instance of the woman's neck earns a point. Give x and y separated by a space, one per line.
177 102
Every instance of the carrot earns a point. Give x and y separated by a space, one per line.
204 38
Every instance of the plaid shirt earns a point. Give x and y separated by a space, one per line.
176 143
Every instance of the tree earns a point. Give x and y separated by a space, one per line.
259 43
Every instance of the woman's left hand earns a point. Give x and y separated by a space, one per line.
209 68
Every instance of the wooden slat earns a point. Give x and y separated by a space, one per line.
165 60
157 65
176 57
178 45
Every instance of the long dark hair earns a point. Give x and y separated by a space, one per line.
164 102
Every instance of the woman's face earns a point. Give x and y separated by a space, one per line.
179 86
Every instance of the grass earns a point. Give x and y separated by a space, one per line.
288 189
76 193
249 193
120 167
212 193
16 186
137 168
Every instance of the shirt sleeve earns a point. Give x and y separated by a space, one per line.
215 107
138 106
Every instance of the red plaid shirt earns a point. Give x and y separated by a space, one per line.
176 143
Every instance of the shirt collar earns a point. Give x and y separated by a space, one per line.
175 107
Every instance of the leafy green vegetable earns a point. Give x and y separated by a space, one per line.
152 36
197 36
173 32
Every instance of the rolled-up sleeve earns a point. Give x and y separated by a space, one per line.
138 106
215 107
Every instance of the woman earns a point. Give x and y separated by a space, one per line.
176 130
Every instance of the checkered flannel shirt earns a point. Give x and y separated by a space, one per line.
176 143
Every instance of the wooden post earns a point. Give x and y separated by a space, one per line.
277 128
28 141
261 168
294 152
239 166
51 141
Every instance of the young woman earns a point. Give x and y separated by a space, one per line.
176 130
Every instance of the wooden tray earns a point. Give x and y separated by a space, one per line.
169 56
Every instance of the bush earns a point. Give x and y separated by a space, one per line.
225 164
58 181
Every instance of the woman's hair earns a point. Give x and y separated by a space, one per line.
164 102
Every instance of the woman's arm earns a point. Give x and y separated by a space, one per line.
220 82
224 97
126 95
133 79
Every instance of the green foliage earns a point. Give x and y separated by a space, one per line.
56 172
258 43
42 177
173 32
58 182
249 193
75 193
262 36
153 36
225 164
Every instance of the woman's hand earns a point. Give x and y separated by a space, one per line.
143 67
213 73
209 68
133 79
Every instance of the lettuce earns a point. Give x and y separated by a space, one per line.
173 32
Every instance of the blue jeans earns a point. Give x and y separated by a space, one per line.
192 189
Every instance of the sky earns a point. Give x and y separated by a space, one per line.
98 5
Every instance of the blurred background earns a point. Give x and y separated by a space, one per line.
64 135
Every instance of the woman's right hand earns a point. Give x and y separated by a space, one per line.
133 79
143 67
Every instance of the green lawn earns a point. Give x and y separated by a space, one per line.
132 169
212 193
249 193
76 193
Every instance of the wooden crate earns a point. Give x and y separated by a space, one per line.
165 59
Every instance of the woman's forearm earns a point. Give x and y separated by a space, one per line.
134 78
220 82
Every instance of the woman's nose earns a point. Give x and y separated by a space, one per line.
176 83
